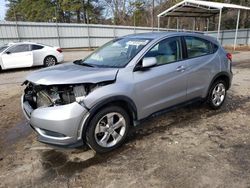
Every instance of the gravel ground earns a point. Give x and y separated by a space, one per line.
189 147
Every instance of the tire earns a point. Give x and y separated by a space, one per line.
217 94
50 61
104 133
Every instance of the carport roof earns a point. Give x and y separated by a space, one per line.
197 8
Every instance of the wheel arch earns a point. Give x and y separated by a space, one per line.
122 101
49 56
223 76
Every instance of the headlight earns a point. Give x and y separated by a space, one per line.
47 96
43 99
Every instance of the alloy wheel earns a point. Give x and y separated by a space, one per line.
110 129
50 61
218 94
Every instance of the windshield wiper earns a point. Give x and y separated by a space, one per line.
81 62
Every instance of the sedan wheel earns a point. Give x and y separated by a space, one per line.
49 61
108 129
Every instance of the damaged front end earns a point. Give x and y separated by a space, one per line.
57 112
40 96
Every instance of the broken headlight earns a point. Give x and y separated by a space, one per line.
46 96
80 93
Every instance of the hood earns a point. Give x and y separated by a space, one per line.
70 73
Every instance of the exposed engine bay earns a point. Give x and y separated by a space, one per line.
47 96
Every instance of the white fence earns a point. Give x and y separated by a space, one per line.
227 37
83 35
65 35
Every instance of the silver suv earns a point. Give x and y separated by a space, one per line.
96 100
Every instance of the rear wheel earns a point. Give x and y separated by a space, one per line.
108 129
217 94
49 61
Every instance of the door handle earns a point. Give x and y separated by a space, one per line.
180 68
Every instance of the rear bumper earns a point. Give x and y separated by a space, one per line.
60 57
58 125
230 79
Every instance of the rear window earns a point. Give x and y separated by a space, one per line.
36 47
215 47
198 47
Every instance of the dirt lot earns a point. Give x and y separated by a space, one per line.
189 147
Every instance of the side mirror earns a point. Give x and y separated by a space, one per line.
148 62
8 52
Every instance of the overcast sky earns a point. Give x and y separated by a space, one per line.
2 9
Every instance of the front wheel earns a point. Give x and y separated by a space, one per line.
108 129
217 94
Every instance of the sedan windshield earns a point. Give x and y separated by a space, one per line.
2 48
116 53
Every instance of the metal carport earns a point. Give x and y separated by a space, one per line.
202 9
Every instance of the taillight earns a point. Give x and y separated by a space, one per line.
229 56
59 50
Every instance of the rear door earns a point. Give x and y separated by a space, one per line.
202 64
163 85
18 56
38 54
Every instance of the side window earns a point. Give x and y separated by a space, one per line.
36 47
197 47
19 48
166 51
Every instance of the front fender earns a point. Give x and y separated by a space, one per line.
109 93
106 95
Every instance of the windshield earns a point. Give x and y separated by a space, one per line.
2 48
116 53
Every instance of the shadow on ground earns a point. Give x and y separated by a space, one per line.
57 163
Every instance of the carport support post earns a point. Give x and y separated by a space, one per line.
177 24
236 31
207 24
168 22
158 23
218 34
194 23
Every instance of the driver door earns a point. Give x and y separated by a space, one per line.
165 84
18 56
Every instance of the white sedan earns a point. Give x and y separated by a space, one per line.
27 54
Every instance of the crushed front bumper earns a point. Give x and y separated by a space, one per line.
58 125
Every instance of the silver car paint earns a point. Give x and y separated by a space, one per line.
66 120
70 73
152 90
201 71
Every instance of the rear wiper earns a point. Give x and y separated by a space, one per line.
81 62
